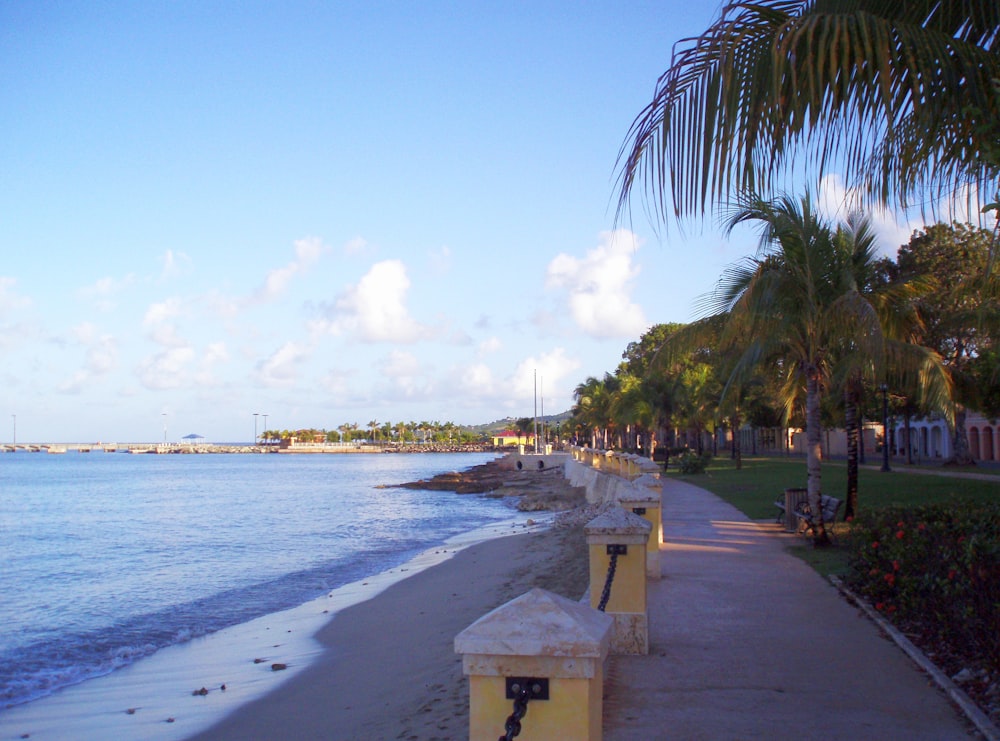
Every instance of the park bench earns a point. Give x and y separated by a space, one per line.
829 506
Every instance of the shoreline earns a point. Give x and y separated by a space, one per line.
162 690
247 448
388 668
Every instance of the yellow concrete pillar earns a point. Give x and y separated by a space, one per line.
641 501
539 639
621 536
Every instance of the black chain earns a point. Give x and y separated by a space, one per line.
513 724
606 594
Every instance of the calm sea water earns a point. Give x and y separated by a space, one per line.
105 557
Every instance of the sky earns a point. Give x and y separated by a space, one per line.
326 212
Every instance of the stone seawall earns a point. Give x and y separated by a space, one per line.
601 486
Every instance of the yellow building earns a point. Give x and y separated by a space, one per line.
511 439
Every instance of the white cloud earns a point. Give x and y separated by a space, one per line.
162 311
307 253
475 381
9 299
399 364
406 376
835 202
102 356
166 369
337 382
356 246
102 292
490 346
551 368
375 309
166 335
281 368
174 264
100 359
599 285
215 354
440 260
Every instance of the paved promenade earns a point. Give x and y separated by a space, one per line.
747 642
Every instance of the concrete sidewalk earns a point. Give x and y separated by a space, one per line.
747 642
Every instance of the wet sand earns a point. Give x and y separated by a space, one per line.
388 669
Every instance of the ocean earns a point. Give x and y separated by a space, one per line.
108 558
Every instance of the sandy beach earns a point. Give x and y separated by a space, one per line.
388 669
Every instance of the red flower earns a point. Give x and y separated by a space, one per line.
879 606
895 565
890 579
951 574
900 535
875 544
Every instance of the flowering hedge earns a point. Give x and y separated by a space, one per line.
934 569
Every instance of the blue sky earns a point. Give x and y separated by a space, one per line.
324 212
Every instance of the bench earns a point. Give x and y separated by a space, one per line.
829 506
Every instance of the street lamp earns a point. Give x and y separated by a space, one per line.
255 414
164 415
885 427
265 427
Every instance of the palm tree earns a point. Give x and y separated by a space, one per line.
884 314
786 300
373 426
898 95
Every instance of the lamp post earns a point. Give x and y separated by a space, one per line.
885 427
265 427
164 415
255 414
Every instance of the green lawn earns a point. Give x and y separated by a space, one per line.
762 480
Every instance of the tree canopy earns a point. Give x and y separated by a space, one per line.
901 97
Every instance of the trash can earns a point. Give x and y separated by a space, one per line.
793 498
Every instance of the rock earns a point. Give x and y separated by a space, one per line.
203 691
278 667
964 677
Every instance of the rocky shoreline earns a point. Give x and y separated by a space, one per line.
545 490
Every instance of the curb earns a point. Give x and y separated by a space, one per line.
976 716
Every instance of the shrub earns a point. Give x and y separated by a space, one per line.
935 569
690 462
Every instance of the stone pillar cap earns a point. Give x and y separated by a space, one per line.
617 525
638 498
649 481
538 623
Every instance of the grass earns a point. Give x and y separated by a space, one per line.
761 481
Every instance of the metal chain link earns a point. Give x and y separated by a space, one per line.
606 593
513 724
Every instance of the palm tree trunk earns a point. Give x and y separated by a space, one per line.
851 425
960 455
737 443
814 456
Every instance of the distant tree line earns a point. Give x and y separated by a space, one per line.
440 433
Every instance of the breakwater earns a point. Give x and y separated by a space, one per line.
185 448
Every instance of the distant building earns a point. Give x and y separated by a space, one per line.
511 439
930 438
